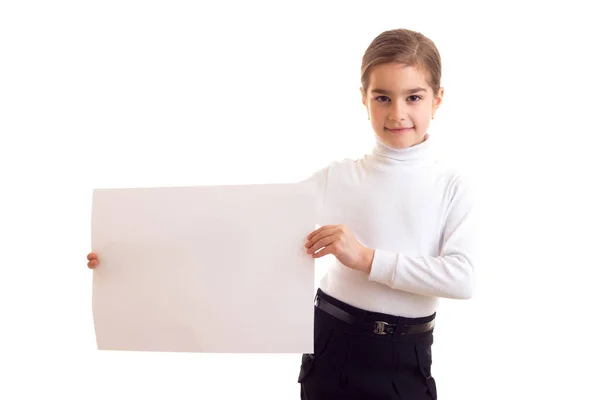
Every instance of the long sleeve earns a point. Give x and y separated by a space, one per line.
320 177
452 273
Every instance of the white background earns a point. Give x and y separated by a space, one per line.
134 94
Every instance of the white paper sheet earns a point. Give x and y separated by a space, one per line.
204 268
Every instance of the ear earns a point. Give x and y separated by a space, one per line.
437 100
364 96
364 101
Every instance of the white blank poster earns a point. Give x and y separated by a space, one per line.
204 268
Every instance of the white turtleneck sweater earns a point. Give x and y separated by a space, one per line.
418 216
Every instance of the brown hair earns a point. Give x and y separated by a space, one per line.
406 47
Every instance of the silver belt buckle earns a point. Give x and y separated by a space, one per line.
380 327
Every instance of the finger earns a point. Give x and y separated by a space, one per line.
331 229
92 263
330 235
315 232
316 238
321 229
326 241
327 250
91 256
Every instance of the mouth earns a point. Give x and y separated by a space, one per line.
398 130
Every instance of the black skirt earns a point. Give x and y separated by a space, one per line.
352 362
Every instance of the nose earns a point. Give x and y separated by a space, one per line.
397 112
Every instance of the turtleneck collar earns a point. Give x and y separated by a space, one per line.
385 156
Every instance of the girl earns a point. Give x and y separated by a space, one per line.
401 227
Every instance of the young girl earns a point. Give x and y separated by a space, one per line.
401 228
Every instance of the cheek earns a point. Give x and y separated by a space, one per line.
377 111
422 115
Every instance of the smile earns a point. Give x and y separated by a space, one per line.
398 130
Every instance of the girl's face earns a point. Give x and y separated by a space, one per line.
400 104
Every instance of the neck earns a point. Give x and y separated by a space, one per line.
417 154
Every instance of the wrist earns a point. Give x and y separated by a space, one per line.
367 262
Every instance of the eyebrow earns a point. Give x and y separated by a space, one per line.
409 91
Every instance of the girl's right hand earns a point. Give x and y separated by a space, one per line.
92 261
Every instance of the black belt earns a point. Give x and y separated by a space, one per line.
378 327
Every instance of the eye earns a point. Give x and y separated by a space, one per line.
382 99
414 98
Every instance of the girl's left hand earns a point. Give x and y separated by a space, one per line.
339 241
